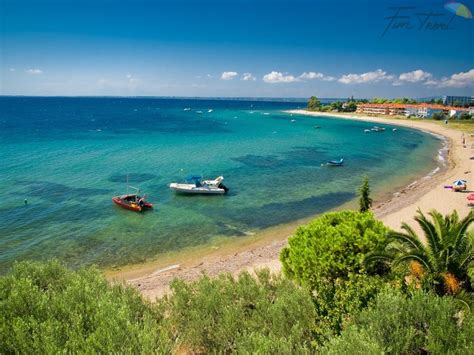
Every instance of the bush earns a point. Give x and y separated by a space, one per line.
314 104
439 116
49 309
340 301
332 246
265 314
395 324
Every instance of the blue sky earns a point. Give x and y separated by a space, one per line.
292 48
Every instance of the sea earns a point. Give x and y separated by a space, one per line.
62 159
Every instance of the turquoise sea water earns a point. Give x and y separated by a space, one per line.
69 156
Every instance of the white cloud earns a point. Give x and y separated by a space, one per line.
277 77
369 77
248 77
415 76
129 76
458 80
431 82
311 76
34 71
228 75
12 69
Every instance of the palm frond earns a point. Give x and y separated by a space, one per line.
414 256
409 239
461 235
432 236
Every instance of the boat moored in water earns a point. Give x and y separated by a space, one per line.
195 185
378 129
132 202
339 162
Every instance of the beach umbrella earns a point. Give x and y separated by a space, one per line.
458 9
470 197
459 182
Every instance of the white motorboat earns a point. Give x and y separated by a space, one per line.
377 129
195 185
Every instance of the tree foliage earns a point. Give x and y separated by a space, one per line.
396 324
244 314
314 104
46 308
365 202
332 246
444 262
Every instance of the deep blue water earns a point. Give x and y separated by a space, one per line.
69 156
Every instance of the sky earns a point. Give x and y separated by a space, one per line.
235 48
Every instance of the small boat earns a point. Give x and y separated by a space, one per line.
394 130
198 112
187 109
132 202
210 110
293 120
367 130
377 129
195 185
339 162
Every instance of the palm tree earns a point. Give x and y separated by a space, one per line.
443 260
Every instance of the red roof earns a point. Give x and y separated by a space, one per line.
422 105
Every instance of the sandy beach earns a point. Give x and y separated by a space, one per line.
427 193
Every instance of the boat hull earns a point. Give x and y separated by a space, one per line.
193 190
131 206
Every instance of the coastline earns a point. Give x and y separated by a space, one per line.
153 278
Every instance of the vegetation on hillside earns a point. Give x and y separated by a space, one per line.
332 298
443 261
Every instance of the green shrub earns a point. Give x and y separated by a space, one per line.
314 104
395 324
338 302
332 246
265 314
46 308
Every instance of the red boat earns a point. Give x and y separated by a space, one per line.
132 202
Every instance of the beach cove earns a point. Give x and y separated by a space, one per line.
400 205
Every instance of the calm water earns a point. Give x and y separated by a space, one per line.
69 156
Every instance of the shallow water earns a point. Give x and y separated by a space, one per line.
69 156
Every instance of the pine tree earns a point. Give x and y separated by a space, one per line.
365 202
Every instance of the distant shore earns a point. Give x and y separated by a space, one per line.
251 253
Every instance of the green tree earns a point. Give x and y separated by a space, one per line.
314 104
350 107
46 308
365 202
465 116
438 116
396 324
244 314
336 106
443 263
332 246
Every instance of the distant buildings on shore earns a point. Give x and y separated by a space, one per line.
422 110
463 101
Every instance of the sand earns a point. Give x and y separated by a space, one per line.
153 278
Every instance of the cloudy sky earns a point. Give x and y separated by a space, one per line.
245 48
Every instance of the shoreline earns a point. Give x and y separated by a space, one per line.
152 278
